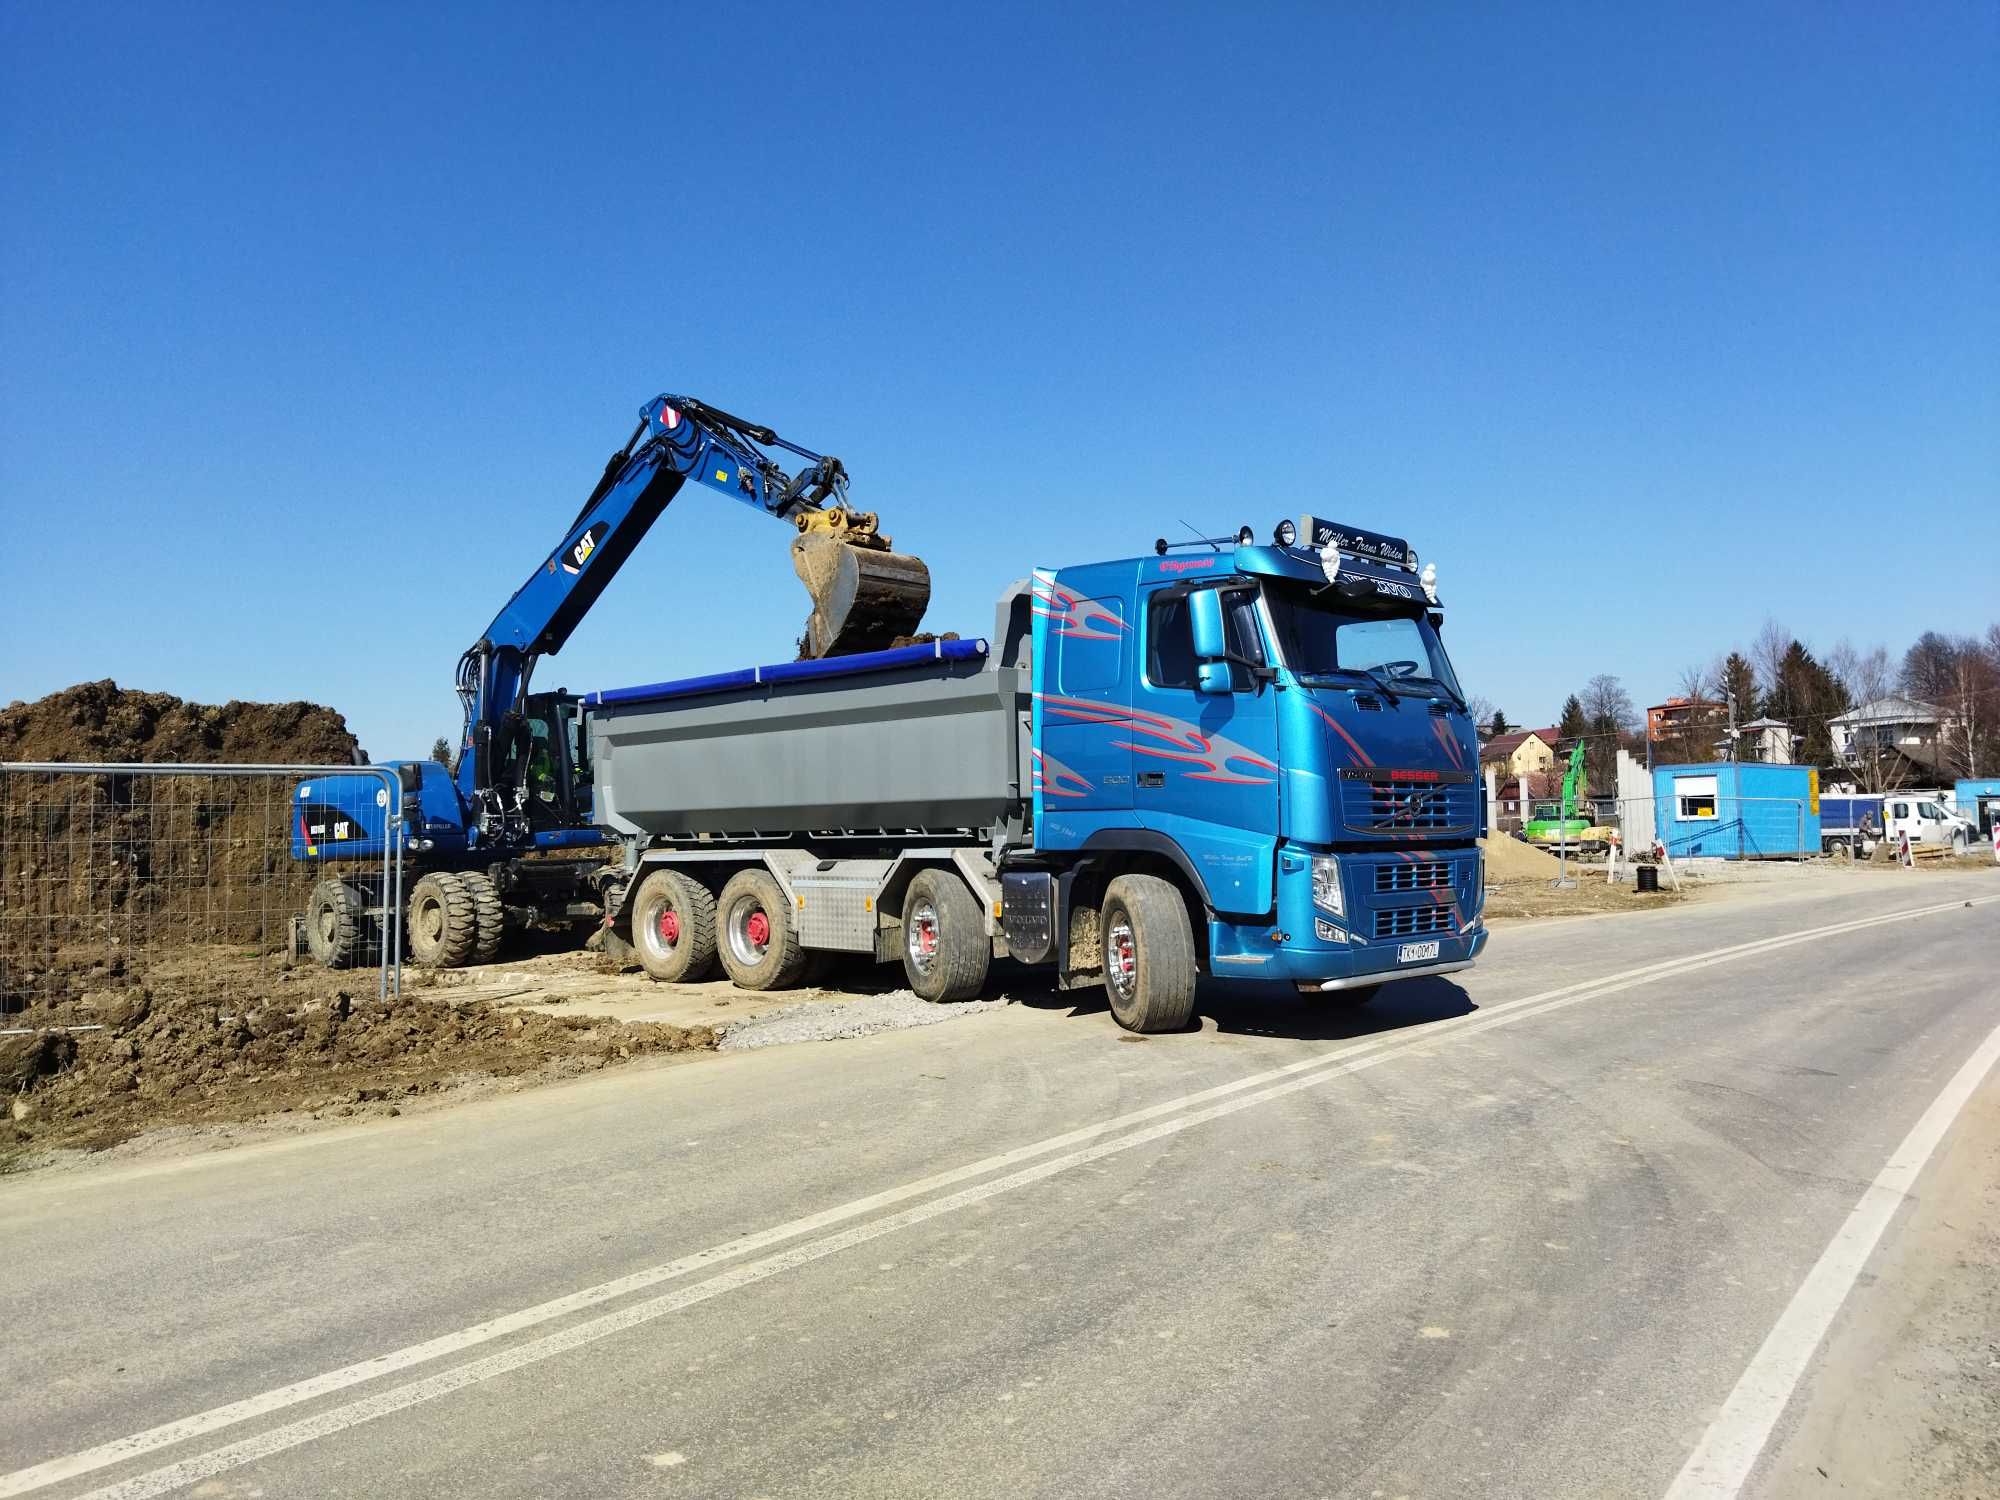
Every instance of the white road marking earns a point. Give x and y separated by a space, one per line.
1721 1465
1320 1068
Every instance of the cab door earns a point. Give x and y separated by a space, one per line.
1205 765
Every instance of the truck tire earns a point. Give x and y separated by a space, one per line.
443 922
756 936
1149 960
945 947
673 927
489 916
333 924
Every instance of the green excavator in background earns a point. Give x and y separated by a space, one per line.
1567 820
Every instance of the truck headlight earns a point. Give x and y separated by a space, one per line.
1326 884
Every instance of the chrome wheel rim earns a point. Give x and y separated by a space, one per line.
920 936
1121 959
749 933
661 930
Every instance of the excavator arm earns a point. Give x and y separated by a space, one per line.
1576 785
864 595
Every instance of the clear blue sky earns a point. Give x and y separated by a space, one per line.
316 323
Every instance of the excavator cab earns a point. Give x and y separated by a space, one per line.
550 762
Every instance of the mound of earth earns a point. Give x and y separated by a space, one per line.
97 871
102 721
1508 858
230 1046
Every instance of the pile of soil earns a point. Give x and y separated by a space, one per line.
212 1042
96 870
102 721
1509 859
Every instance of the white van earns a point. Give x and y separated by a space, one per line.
1927 819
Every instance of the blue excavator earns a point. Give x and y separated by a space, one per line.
521 785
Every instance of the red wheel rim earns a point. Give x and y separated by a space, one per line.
670 927
758 928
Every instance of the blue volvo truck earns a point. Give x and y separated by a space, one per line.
1236 758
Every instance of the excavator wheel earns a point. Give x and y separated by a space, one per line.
864 598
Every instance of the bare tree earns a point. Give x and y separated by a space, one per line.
1955 676
1767 654
1869 676
1604 697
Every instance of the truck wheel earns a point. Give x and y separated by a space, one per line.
489 917
444 922
333 924
945 947
673 927
756 938
1149 967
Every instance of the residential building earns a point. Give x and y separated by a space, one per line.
1766 742
1520 759
1892 741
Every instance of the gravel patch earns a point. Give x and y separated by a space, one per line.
831 1020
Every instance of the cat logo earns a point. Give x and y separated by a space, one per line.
584 548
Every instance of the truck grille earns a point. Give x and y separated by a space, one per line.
1425 876
1373 803
1412 921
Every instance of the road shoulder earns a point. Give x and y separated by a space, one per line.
1904 1400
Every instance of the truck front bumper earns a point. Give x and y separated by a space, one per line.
1360 981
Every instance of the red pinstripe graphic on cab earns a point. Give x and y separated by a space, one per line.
1077 618
1220 759
1361 757
1450 742
1054 779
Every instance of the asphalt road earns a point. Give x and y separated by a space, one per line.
1518 1236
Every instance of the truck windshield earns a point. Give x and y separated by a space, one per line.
1320 637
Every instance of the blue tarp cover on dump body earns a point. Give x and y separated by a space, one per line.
792 671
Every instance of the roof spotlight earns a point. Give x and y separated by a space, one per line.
1245 537
1286 534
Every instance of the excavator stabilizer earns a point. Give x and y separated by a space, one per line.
864 596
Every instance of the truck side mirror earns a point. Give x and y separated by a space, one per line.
1205 616
1211 645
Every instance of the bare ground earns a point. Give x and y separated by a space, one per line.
1906 1399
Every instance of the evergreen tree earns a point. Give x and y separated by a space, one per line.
441 751
1739 681
1805 696
1573 725
1499 725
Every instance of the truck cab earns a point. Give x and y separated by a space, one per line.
1281 725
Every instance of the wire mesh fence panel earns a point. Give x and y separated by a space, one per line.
117 877
1711 824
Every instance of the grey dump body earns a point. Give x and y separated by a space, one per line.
935 749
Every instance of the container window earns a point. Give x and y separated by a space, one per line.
1695 796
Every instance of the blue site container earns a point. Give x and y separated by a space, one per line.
1737 810
1976 801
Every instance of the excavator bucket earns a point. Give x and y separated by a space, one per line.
865 597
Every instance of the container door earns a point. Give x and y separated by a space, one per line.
1205 766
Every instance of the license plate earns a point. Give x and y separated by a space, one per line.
1412 953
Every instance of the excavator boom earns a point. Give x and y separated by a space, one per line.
864 595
